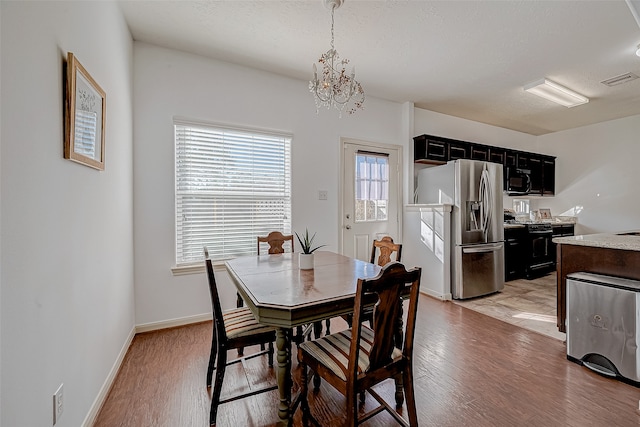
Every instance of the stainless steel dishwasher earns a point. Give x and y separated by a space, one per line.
603 316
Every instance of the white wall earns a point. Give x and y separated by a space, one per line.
170 83
596 168
67 251
433 123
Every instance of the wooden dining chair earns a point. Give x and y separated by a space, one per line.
382 252
236 328
276 241
356 359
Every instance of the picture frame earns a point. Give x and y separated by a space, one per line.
545 213
85 115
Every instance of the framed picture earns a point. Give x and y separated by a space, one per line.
85 111
545 213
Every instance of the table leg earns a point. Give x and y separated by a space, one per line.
283 343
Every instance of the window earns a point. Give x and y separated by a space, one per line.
372 187
231 186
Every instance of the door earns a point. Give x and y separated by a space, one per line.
371 196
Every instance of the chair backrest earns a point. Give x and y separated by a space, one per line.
386 247
390 285
218 319
276 241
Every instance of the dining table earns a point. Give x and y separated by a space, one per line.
282 295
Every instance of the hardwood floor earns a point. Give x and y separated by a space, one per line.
470 370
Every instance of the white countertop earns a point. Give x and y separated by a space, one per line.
512 225
602 240
522 224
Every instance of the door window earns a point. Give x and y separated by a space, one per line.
372 187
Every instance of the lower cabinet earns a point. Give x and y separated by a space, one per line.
514 252
561 230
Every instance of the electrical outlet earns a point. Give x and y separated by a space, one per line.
58 404
323 194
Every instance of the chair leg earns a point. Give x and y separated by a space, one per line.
409 392
352 408
240 303
317 330
212 358
327 324
316 382
270 354
304 404
399 393
299 335
215 395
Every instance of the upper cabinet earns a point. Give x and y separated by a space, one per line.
438 150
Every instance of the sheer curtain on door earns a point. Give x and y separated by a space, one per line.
372 187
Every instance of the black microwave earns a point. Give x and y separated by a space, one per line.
517 181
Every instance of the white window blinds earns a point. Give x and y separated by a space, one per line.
231 186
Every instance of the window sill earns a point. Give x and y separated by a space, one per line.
196 268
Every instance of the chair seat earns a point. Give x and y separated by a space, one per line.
333 351
240 322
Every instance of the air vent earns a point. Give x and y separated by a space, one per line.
624 78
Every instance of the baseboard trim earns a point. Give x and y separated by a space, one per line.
172 323
429 292
104 391
146 327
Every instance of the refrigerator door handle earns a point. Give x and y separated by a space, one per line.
482 249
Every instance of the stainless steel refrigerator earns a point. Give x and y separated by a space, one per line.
474 189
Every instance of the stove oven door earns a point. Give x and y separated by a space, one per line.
541 259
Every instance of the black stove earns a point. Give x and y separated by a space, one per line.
541 252
539 227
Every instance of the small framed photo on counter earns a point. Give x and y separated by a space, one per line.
545 213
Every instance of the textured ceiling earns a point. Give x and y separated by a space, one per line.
467 59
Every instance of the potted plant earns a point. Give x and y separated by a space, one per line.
305 259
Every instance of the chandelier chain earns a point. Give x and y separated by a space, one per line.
334 87
333 8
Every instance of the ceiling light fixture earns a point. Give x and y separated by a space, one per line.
638 51
335 88
552 91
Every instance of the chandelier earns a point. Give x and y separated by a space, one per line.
335 88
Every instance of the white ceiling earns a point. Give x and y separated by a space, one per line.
467 59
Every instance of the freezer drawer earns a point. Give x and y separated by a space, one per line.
479 270
603 318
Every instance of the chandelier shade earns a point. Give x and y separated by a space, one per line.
334 86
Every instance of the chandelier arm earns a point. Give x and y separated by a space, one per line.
335 87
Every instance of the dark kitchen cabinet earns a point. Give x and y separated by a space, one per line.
511 158
430 149
548 176
479 152
459 150
497 155
438 150
535 166
514 252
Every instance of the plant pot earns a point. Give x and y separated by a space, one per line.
305 261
